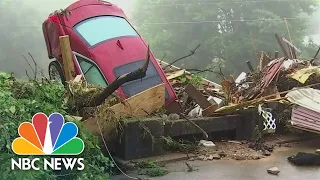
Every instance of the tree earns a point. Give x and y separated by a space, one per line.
231 30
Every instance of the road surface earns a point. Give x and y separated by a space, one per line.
246 170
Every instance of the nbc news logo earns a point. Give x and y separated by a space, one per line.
48 136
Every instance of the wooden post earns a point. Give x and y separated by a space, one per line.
250 66
66 52
285 21
261 61
276 55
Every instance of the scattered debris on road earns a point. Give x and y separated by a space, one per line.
273 170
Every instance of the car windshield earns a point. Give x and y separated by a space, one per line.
102 28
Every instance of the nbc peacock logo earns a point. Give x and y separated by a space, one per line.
48 136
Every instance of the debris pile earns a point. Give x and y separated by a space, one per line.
273 79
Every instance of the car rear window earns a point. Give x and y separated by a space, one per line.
102 28
134 87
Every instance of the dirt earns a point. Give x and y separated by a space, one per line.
229 150
243 150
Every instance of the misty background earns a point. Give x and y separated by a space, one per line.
21 30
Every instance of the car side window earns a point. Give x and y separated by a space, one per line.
91 72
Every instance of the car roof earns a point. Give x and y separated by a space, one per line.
89 8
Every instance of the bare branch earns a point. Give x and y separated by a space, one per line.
28 75
192 52
205 135
164 55
28 65
35 66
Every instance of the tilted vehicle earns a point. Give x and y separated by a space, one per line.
104 46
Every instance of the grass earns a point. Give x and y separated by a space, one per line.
150 168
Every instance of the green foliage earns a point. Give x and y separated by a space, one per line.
19 101
180 145
196 80
230 30
151 169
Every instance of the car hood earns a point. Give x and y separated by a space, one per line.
116 52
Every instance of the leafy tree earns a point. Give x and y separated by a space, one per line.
230 30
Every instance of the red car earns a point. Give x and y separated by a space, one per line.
104 44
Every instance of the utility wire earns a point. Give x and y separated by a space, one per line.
216 21
185 22
110 156
224 2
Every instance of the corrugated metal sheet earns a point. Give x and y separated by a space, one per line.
307 112
305 118
306 97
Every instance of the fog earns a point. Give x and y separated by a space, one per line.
21 31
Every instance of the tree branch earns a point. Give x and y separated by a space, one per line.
192 52
204 133
100 98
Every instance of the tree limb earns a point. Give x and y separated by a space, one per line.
205 135
192 52
100 98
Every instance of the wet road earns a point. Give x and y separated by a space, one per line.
247 170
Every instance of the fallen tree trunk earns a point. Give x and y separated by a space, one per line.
100 98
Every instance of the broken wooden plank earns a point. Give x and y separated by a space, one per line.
68 65
197 96
141 104
175 74
210 110
78 78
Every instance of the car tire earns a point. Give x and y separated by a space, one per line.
56 73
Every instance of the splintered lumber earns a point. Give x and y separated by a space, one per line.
204 81
68 65
78 78
175 74
197 96
210 110
141 104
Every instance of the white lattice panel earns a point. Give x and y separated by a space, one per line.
269 121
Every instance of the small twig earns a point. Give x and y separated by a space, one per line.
28 65
192 52
315 56
28 74
194 124
164 55
35 66
221 73
190 168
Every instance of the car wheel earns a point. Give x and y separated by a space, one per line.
56 73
